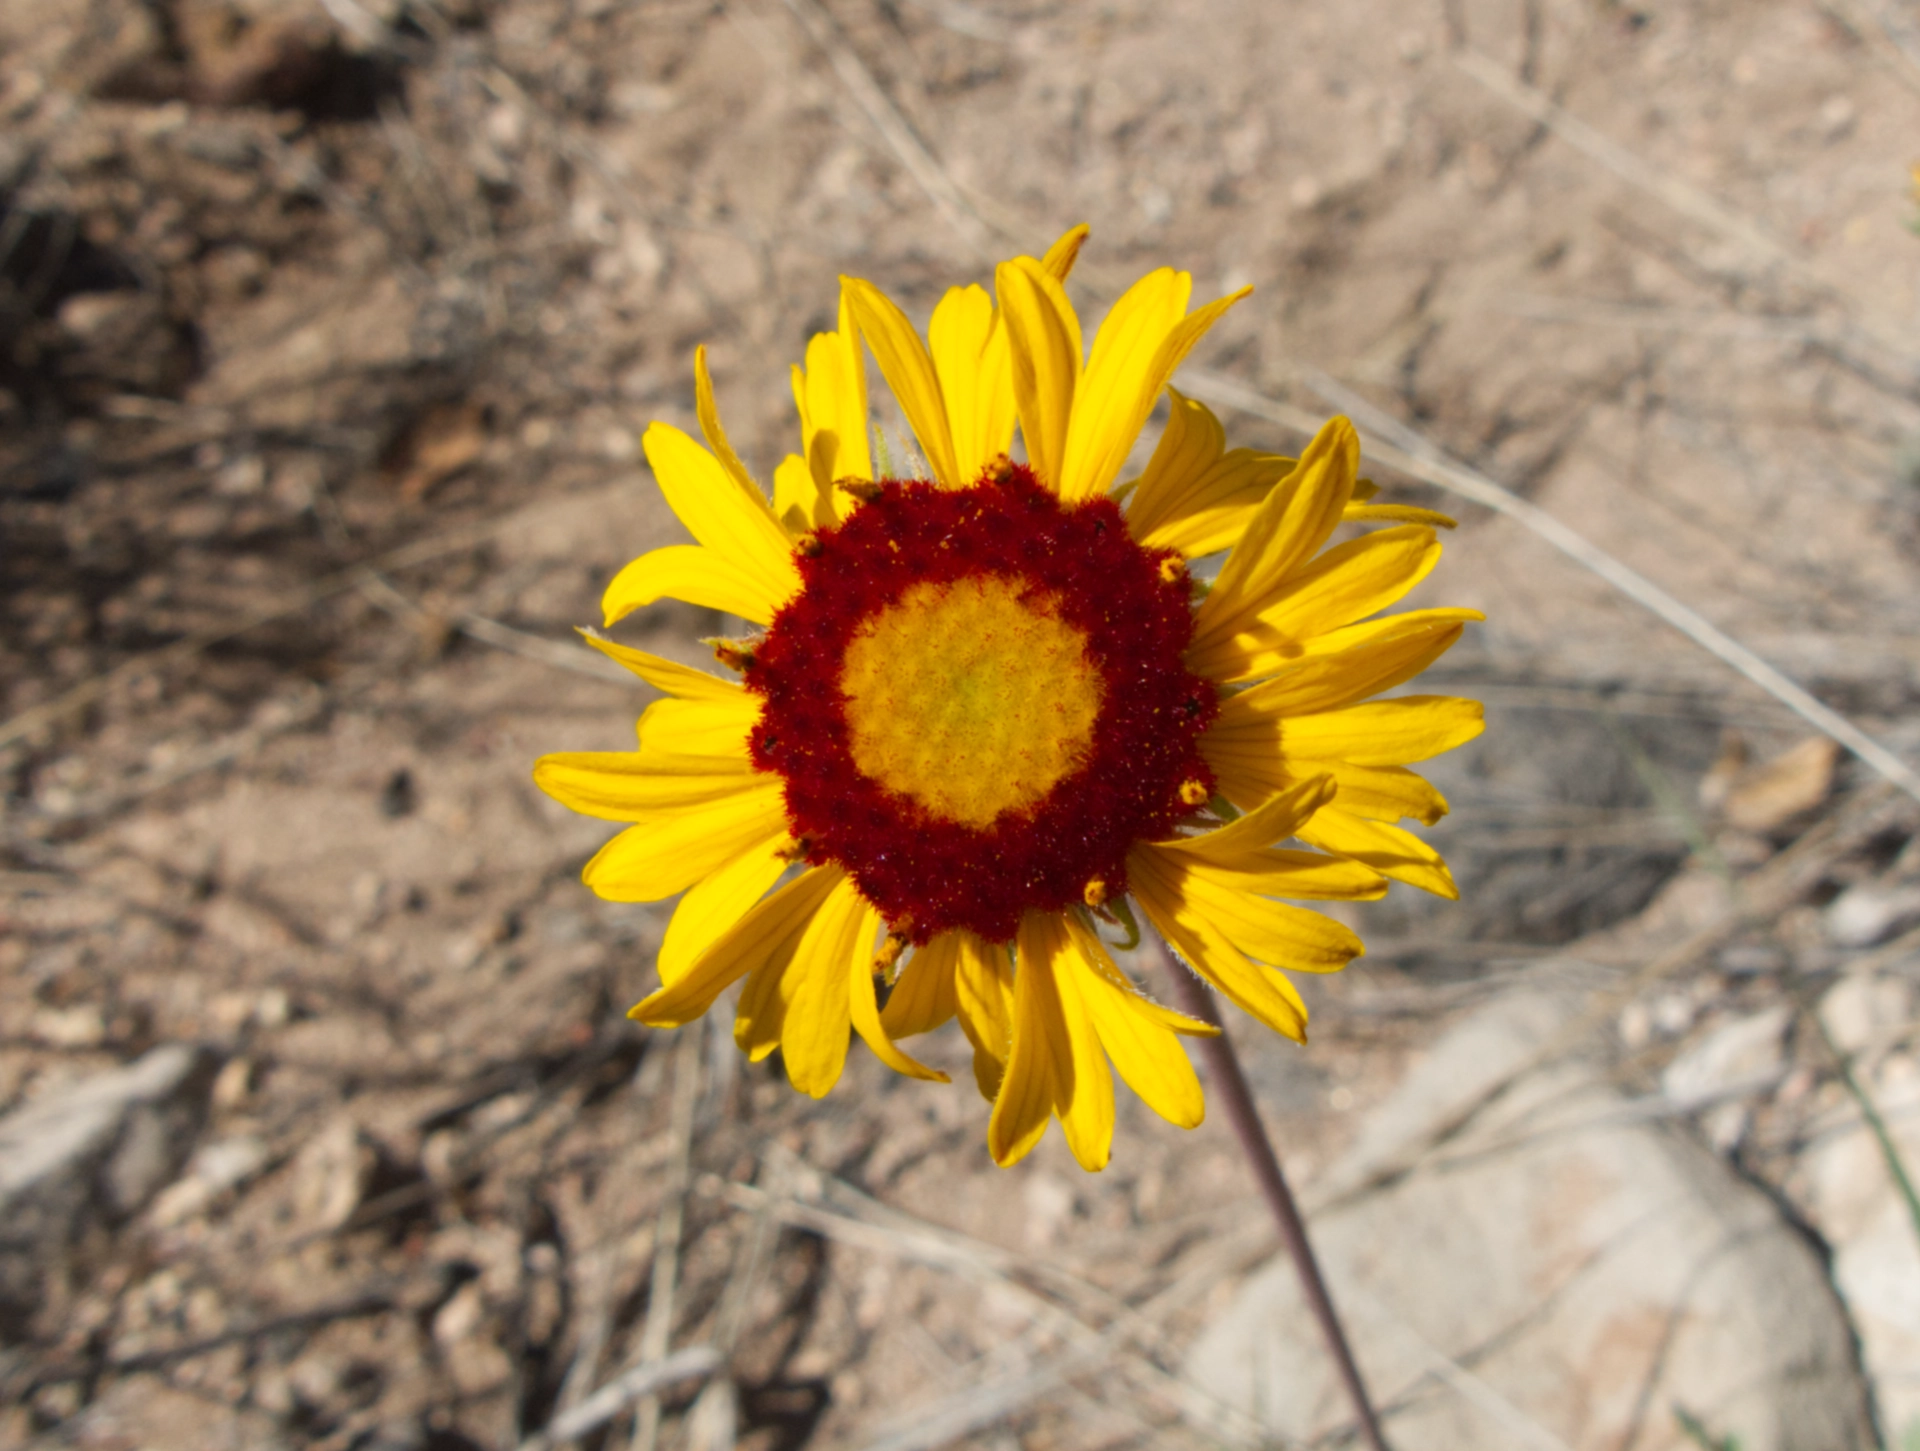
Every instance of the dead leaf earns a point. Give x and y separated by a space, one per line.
444 441
1766 797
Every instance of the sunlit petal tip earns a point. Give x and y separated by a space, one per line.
1061 256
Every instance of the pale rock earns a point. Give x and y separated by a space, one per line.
1864 1011
1871 1237
1868 913
331 1174
1737 1056
52 1137
214 1170
1555 1271
95 1149
460 1316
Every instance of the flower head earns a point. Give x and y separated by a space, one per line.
991 707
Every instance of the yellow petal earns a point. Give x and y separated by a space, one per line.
710 908
1045 337
1350 664
671 676
1342 586
1215 508
797 498
1062 254
1385 732
1038 1061
1293 521
767 934
1267 931
1191 444
669 853
1387 849
841 937
1124 378
1248 773
1398 514
716 436
1260 992
909 372
864 1008
1274 820
983 996
923 996
726 513
698 576
633 785
831 395
1145 1051
970 355
1083 1096
699 727
1123 352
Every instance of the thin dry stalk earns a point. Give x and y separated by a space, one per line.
1400 447
1230 1085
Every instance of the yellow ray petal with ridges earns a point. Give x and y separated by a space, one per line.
1191 444
1063 253
1039 1069
699 727
813 1041
636 786
1276 933
1294 520
1274 820
1352 581
1144 1047
1123 382
728 515
1044 334
698 576
1093 953
708 413
681 681
1388 849
1215 510
760 1016
1350 664
767 934
1260 992
983 997
1086 1108
668 854
1385 732
710 908
831 396
798 501
1398 514
864 1007
1249 775
909 372
969 349
1341 587
924 995
1123 351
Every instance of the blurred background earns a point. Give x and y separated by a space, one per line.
327 330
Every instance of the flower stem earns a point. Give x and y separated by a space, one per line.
1227 1081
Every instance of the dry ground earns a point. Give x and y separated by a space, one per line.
329 329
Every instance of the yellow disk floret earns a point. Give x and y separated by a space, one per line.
972 699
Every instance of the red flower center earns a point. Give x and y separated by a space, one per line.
978 702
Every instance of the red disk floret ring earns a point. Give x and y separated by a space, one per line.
978 703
